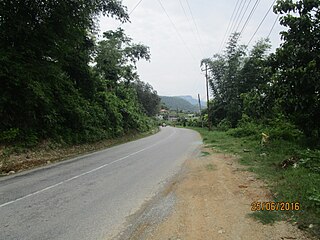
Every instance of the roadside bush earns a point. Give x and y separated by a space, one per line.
9 135
281 128
224 125
246 128
310 159
194 123
277 128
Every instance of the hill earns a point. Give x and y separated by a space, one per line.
193 101
175 103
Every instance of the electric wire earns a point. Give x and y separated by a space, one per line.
134 8
261 22
197 31
176 30
238 17
249 16
244 13
235 18
229 25
234 23
194 22
275 21
193 32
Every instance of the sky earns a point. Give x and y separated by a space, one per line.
186 32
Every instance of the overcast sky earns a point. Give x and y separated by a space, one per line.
175 55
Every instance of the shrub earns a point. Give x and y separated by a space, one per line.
276 128
246 128
224 125
10 135
281 128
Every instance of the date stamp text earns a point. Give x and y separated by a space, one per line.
275 206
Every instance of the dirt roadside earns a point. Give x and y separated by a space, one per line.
213 201
47 152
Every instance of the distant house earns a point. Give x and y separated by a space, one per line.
173 117
163 111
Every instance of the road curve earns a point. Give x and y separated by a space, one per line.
89 197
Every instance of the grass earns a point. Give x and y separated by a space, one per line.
210 167
290 184
266 217
203 154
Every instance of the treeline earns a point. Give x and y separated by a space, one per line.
59 82
281 89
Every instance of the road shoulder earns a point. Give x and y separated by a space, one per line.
213 201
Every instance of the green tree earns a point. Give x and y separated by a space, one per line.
116 58
115 69
147 97
47 87
225 83
297 63
255 82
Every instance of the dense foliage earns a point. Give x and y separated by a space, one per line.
58 82
280 87
148 97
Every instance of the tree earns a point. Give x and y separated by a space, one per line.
255 82
115 69
147 97
224 82
46 83
116 58
296 63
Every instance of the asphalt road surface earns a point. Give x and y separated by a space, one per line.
89 197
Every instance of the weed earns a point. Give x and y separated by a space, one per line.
266 217
210 167
203 154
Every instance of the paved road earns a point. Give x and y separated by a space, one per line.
89 197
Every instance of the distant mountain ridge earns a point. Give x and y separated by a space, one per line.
193 101
178 103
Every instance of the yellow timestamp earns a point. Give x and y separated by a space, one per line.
275 206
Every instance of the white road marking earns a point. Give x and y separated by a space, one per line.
85 173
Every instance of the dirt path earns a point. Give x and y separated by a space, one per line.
213 202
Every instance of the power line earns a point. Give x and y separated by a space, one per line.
135 7
243 16
261 22
194 22
235 20
235 17
273 25
250 15
193 32
229 25
238 17
176 29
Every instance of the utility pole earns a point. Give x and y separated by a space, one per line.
200 110
208 104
